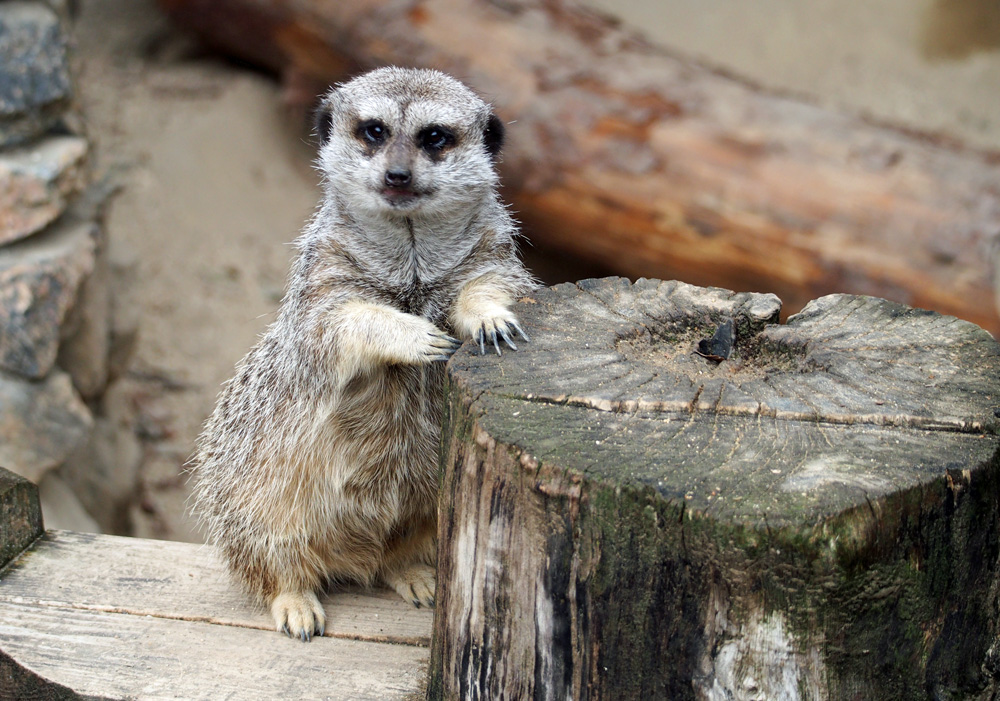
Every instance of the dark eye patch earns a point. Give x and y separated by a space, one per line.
372 132
324 122
493 136
435 139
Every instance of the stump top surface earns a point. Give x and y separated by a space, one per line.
852 398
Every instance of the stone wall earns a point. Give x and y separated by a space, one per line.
64 337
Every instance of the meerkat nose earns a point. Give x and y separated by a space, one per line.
397 177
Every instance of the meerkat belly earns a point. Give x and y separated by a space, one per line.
383 435
388 422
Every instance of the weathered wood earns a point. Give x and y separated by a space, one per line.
656 166
188 582
126 618
816 517
20 684
20 515
122 657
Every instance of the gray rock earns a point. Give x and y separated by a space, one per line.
104 474
39 280
37 183
41 423
34 71
123 262
66 9
61 509
86 332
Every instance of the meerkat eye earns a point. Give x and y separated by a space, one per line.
372 132
435 139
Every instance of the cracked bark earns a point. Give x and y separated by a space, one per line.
822 523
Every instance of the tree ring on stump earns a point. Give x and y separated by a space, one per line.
806 417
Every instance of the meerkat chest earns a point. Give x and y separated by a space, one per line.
414 294
430 301
424 258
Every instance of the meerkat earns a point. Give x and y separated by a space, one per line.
319 463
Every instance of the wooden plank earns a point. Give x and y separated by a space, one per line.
20 684
183 581
20 515
117 655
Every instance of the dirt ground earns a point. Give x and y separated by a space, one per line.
216 181
927 64
216 176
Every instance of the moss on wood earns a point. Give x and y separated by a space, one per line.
20 515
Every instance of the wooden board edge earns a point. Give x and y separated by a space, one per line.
20 516
20 684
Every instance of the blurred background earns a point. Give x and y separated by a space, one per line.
715 141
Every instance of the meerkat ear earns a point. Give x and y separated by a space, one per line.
493 135
323 122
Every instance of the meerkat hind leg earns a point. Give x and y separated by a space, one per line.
414 583
298 614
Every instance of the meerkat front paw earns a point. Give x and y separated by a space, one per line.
415 584
372 334
440 346
482 312
496 328
298 615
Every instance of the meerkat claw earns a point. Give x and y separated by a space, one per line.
507 339
443 340
496 333
520 331
298 614
444 346
415 584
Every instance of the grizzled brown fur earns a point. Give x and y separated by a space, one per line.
319 462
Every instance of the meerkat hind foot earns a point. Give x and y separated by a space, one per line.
298 614
415 584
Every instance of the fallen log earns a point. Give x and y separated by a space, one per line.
628 155
815 516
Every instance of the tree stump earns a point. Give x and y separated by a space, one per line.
814 517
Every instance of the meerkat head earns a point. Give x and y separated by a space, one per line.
407 142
